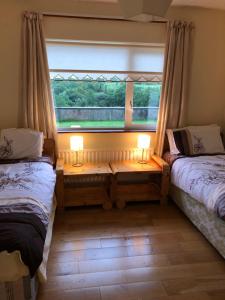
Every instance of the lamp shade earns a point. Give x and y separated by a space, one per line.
76 143
143 10
144 141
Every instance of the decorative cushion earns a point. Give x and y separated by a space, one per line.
177 138
195 140
20 143
205 140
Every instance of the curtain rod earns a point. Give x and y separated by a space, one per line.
46 14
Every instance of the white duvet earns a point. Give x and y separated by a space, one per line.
203 178
28 183
24 187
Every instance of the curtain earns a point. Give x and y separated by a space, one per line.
175 79
37 102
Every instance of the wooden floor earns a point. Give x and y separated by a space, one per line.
144 252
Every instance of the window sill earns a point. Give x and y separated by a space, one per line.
66 130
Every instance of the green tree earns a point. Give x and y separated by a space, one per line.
68 93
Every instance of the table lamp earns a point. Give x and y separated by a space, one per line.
143 143
76 145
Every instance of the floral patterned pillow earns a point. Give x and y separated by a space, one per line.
20 143
205 140
196 140
6 148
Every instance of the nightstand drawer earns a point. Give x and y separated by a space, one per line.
84 196
138 192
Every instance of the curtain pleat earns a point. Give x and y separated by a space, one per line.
38 107
175 79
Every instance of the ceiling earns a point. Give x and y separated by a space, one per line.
219 4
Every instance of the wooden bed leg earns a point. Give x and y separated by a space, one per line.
60 184
108 204
165 184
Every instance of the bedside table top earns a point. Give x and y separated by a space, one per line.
87 169
135 167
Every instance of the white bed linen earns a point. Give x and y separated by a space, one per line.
28 183
202 177
12 266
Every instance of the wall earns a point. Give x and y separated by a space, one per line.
105 141
101 30
207 84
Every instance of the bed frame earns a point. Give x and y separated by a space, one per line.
24 288
49 149
211 226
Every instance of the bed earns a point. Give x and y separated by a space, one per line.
198 182
23 180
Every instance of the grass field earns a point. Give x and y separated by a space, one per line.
99 124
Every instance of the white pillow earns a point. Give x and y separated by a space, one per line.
194 140
20 143
205 140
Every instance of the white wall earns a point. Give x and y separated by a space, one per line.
207 82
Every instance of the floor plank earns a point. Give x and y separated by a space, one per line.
217 294
123 263
132 291
144 252
83 294
187 285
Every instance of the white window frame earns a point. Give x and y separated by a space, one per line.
129 125
129 105
128 115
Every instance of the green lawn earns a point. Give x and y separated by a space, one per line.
95 124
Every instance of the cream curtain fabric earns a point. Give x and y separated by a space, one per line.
38 108
175 79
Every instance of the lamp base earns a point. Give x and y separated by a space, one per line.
142 162
77 165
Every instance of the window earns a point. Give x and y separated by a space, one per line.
105 86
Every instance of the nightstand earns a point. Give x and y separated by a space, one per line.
85 185
150 181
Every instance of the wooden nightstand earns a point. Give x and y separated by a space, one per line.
85 185
153 187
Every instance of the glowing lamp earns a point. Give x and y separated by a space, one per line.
76 145
143 144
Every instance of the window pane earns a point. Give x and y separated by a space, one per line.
146 103
89 104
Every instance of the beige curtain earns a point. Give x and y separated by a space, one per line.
38 108
175 79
